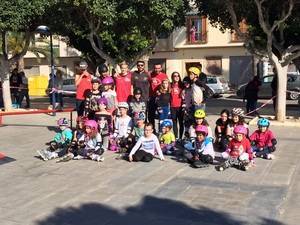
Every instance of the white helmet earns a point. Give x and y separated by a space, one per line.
237 111
123 105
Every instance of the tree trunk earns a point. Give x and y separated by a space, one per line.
4 73
20 64
280 111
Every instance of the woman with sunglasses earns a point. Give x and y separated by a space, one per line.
176 104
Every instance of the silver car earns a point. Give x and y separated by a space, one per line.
218 84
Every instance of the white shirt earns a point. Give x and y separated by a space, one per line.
148 144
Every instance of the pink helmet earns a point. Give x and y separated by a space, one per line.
201 129
92 124
103 101
107 80
240 129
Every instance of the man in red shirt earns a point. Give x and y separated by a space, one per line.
123 84
156 78
83 82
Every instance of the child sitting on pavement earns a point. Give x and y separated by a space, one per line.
199 116
220 130
145 148
167 139
89 145
239 151
203 152
237 118
263 140
59 145
123 127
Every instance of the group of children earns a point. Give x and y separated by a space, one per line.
136 140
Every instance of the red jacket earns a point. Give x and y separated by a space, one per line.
262 139
176 96
123 87
155 81
236 148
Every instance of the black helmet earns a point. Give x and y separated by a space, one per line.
137 91
102 68
186 80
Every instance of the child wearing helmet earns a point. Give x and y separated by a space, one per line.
91 100
237 118
146 147
167 139
58 146
123 127
90 144
104 120
203 152
263 140
139 125
137 104
199 119
109 93
239 151
220 130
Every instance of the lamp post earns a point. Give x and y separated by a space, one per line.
46 31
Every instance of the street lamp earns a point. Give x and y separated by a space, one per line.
46 31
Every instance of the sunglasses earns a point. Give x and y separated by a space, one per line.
140 65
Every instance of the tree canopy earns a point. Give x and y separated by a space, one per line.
115 30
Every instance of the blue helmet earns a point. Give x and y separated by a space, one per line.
166 123
263 122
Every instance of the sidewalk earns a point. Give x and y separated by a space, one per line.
114 192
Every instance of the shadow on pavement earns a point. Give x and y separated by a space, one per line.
152 210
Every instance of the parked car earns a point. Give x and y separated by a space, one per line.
69 85
218 84
265 90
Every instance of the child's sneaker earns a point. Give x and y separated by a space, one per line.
270 156
43 154
100 158
78 157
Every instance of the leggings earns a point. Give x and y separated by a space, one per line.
177 116
80 107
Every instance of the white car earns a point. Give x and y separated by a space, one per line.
69 85
218 84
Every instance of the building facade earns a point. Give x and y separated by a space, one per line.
221 54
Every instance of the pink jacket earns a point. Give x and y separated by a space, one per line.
262 139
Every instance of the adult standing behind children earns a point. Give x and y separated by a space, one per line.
156 78
15 81
197 94
83 82
251 94
123 84
140 79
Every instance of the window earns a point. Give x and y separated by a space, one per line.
244 28
212 80
196 30
214 65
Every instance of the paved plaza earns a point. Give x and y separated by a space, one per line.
113 192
